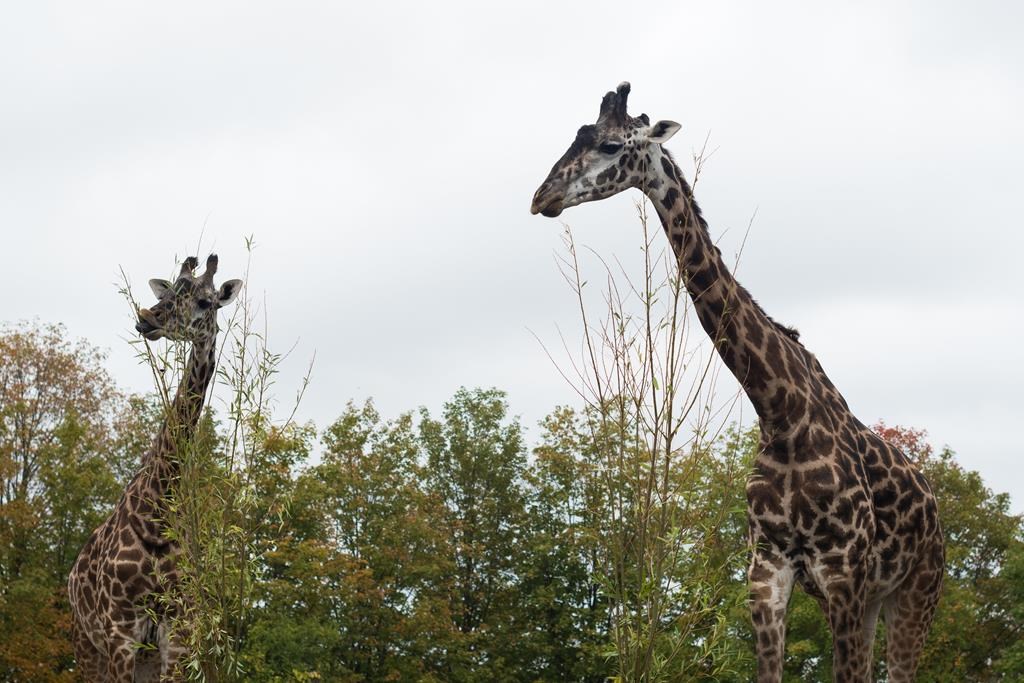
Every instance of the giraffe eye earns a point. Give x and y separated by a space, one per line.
610 147
204 303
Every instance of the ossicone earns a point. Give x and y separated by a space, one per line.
613 105
188 266
211 268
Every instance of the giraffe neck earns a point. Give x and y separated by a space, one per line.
145 494
182 418
763 357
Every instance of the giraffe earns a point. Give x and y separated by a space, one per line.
830 505
128 561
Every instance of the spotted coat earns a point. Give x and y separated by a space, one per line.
831 505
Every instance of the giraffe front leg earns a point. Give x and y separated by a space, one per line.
771 584
121 659
847 618
172 652
871 613
125 642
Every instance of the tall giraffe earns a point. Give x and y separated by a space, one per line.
830 504
128 560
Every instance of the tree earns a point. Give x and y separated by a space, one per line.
475 464
353 588
58 476
586 542
567 612
56 409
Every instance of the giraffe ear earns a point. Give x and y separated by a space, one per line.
159 287
662 131
227 292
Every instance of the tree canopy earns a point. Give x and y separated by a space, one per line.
423 547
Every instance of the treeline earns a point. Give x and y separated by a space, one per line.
425 547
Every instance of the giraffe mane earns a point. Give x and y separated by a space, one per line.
788 331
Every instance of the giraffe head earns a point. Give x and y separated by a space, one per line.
606 157
187 307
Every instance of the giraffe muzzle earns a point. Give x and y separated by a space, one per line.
147 326
545 204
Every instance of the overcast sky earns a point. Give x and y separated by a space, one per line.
384 157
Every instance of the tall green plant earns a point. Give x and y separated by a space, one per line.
651 414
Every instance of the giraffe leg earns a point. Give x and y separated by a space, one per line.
771 584
908 616
121 661
847 617
172 650
126 646
90 662
147 666
870 631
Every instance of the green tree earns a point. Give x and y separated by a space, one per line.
566 611
586 537
475 465
57 477
354 584
56 410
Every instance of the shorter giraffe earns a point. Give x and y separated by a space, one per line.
128 561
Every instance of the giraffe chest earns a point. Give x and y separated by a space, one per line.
809 510
859 508
810 505
117 573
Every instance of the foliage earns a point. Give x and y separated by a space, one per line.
58 406
437 548
650 425
353 578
